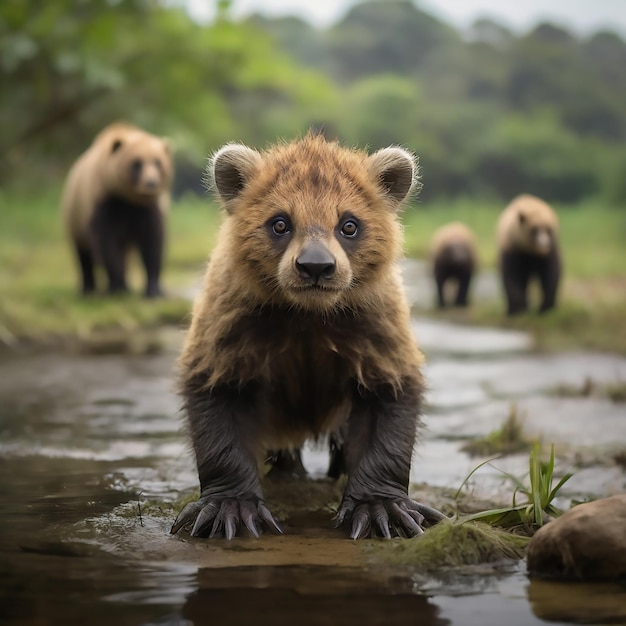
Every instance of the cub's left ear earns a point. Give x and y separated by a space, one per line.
396 171
230 169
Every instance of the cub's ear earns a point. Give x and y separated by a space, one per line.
230 169
396 171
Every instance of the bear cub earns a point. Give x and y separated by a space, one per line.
302 329
454 261
528 246
115 198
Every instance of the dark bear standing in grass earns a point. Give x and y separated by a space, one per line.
453 258
302 328
529 249
115 198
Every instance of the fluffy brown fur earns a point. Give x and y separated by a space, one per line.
454 259
115 197
527 237
301 329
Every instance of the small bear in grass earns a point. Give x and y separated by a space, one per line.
454 261
115 198
528 248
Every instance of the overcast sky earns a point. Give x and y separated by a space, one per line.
582 16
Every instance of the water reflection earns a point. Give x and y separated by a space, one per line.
84 440
291 595
589 603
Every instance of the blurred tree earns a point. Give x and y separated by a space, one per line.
385 109
296 37
71 66
548 68
491 112
384 36
536 155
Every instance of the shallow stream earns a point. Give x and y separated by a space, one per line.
92 461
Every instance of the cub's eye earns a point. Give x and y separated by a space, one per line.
350 228
280 226
135 166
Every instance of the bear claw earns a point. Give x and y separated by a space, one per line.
386 517
223 517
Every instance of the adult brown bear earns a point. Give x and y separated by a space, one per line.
528 249
454 260
302 328
115 197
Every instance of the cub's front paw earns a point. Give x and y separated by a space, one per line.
211 516
385 516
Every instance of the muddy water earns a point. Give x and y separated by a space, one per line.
92 461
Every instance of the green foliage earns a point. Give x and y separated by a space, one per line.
71 67
383 109
539 495
537 154
489 117
382 36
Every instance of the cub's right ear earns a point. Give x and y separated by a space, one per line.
230 169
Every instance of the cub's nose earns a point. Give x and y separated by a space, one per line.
315 262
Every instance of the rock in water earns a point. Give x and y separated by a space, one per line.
586 543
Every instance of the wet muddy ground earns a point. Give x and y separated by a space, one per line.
93 462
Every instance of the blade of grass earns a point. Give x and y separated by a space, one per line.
458 492
535 478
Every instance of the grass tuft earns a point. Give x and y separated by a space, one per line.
538 506
508 439
453 544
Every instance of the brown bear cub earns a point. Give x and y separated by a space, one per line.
115 198
301 329
528 249
454 260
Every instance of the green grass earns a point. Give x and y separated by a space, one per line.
38 276
592 235
538 507
591 309
452 544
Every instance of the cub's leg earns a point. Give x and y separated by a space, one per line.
515 276
465 278
441 275
148 233
286 463
337 465
85 260
549 274
381 437
222 428
109 234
